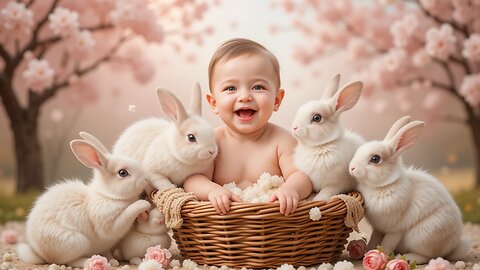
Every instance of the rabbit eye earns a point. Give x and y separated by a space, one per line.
123 173
375 159
191 138
317 118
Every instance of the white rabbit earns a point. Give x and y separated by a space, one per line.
144 234
410 211
72 221
324 148
170 151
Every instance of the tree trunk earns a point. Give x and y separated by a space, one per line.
30 170
474 123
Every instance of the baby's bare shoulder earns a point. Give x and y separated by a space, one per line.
281 134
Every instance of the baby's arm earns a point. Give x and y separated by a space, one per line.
297 185
206 189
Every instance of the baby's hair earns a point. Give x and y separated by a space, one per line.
237 47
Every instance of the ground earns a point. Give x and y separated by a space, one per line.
471 231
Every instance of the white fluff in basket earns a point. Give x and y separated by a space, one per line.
259 192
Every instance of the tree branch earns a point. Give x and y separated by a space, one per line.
31 45
440 21
38 100
463 63
5 55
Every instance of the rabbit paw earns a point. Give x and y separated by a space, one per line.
135 260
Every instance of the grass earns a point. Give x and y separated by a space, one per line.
15 207
469 203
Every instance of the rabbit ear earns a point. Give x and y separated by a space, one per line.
196 100
171 106
331 88
406 137
346 98
88 154
94 141
397 126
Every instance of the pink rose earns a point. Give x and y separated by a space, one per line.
374 260
356 249
159 254
97 262
439 264
9 237
398 264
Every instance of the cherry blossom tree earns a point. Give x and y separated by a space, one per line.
52 47
427 49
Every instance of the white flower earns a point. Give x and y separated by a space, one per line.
17 18
476 266
344 265
53 267
440 43
189 264
471 48
286 267
470 89
83 41
63 21
150 265
301 268
315 214
175 263
8 257
460 265
325 266
39 75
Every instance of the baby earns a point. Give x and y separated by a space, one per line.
244 81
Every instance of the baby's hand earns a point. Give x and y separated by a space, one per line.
288 199
220 198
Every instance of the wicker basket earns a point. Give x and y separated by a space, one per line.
256 235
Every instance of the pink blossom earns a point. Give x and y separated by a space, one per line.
356 249
38 75
440 42
159 254
9 237
374 260
97 262
471 48
16 19
83 42
63 21
404 30
395 60
470 89
397 264
439 264
421 58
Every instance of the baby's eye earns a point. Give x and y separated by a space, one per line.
258 87
230 88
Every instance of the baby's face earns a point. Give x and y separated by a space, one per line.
245 92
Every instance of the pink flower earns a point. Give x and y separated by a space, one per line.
471 48
463 15
63 21
397 264
97 262
470 89
39 74
374 260
159 254
421 58
403 30
9 237
357 49
356 249
439 264
16 18
440 42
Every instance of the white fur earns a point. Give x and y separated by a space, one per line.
144 234
324 148
410 211
72 221
162 146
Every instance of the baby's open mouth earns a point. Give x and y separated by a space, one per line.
245 114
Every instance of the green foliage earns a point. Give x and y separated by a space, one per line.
469 203
15 207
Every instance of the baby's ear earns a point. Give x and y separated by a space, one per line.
212 101
278 99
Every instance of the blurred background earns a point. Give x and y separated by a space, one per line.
68 66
